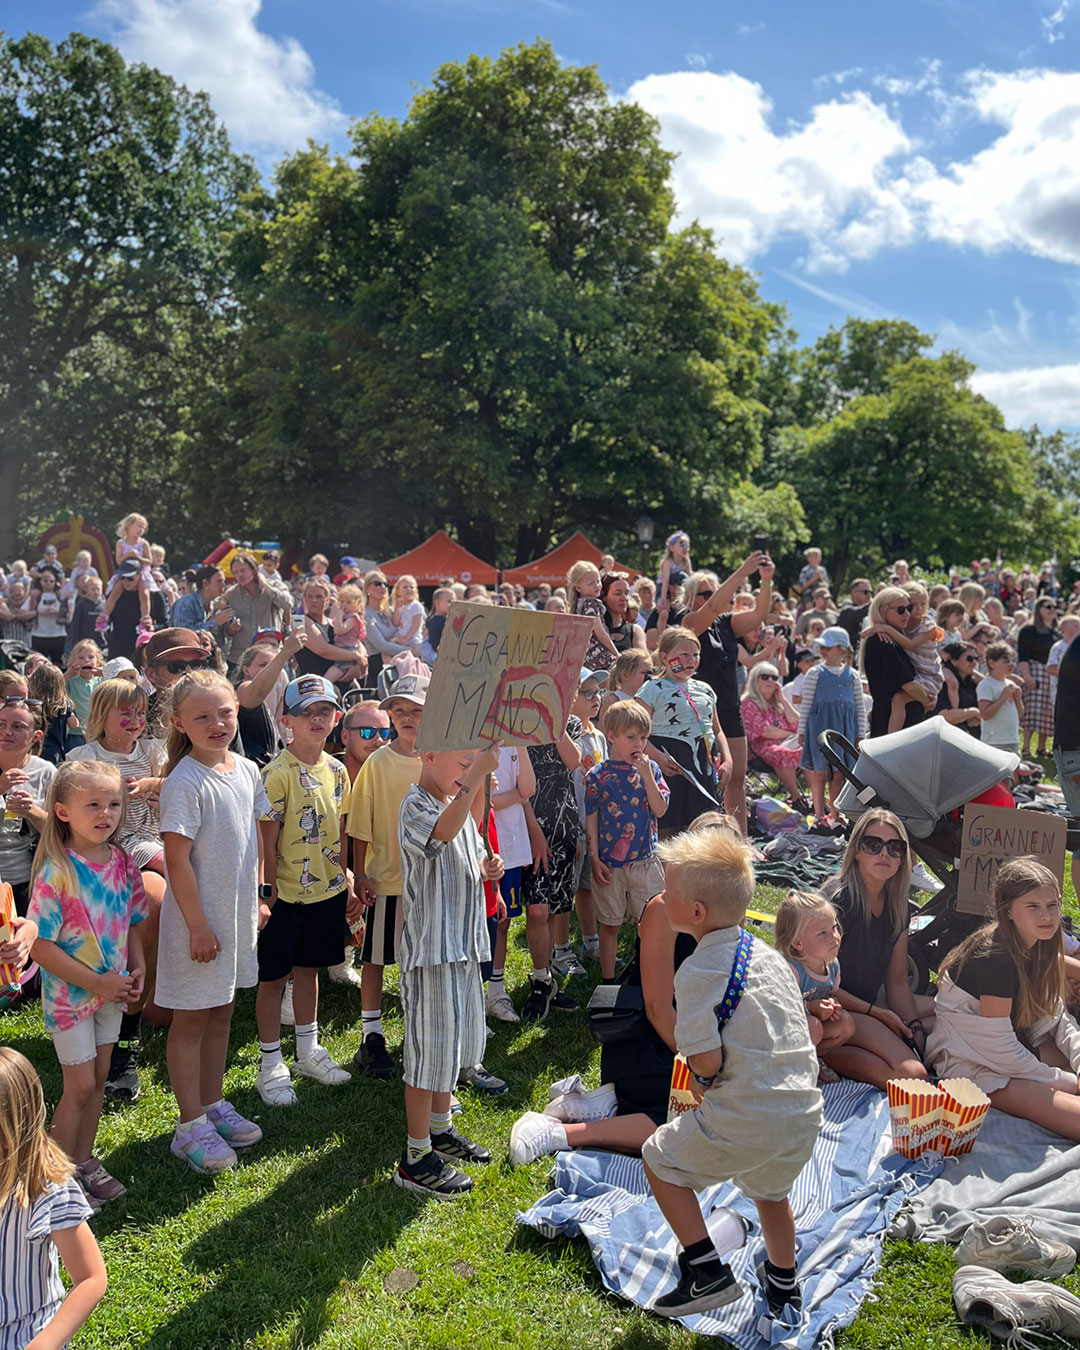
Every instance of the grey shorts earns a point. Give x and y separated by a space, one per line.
443 1011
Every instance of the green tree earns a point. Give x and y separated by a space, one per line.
494 319
849 362
118 187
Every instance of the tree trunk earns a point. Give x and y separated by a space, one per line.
9 505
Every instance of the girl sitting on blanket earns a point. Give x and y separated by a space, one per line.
1001 1019
808 934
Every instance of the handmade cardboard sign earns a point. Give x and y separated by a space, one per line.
502 674
991 836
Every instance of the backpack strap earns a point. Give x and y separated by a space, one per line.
737 982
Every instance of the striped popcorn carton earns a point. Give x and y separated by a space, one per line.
680 1098
962 1115
915 1109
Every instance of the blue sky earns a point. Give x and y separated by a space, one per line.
916 160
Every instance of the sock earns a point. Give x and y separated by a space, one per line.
543 975
701 1253
271 1054
130 1026
591 942
558 1136
213 1106
307 1040
186 1127
562 949
495 983
440 1124
371 1023
781 1287
417 1148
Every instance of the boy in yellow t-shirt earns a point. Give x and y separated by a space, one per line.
380 787
306 887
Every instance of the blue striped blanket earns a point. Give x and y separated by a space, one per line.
843 1201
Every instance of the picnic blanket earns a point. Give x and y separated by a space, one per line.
1015 1168
843 1201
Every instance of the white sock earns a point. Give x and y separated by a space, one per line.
543 974
186 1127
307 1040
440 1124
417 1148
495 985
558 1136
562 949
212 1106
371 1023
271 1054
591 942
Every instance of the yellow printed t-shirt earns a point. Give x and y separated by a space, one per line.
377 795
305 800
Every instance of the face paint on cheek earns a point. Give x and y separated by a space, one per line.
677 667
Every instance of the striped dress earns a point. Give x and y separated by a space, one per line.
31 1289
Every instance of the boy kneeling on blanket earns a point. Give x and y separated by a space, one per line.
759 1109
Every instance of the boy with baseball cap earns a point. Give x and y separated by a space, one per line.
306 888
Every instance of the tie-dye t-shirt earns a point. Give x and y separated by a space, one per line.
90 923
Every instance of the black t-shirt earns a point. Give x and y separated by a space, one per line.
259 733
1067 708
967 696
850 619
435 626
720 661
125 621
888 668
1031 645
621 635
309 662
866 947
992 972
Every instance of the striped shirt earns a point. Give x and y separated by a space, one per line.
31 1289
442 897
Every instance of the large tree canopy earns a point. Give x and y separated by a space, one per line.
117 187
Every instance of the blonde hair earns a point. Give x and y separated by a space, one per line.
86 645
352 595
625 665
132 518
795 912
671 637
896 888
405 576
971 595
29 1158
950 609
716 820
693 584
715 870
375 575
916 591
1041 968
177 741
626 715
55 837
250 655
12 678
109 695
580 570
46 682
753 679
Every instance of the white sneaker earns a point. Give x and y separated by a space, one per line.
343 973
1005 1243
922 879
275 1086
532 1135
288 1017
985 1298
567 966
322 1069
571 1107
501 1008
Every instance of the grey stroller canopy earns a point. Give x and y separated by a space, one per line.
923 772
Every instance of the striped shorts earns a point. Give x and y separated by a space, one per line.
443 1011
382 932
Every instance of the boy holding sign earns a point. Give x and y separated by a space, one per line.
444 939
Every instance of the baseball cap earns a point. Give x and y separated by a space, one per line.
600 676
412 687
346 562
130 567
170 644
835 637
113 669
309 689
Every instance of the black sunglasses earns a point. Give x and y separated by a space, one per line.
705 594
901 609
19 698
383 584
873 843
763 678
369 733
182 667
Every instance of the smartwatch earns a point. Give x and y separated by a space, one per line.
266 892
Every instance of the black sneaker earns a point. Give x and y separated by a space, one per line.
452 1144
775 1297
431 1175
700 1288
373 1058
539 1000
564 1003
123 1080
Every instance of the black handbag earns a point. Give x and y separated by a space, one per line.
616 1012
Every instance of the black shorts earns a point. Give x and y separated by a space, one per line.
302 935
731 723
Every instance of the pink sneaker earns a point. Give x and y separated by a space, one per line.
204 1150
97 1182
231 1125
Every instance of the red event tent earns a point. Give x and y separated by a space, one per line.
438 557
553 566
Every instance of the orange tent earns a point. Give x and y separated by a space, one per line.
553 566
438 557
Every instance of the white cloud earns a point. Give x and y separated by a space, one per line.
826 180
837 77
1049 395
262 87
698 60
1053 24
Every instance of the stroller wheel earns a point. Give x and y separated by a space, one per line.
918 967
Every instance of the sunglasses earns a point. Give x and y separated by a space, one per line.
383 584
18 698
182 667
369 733
705 594
901 609
873 844
768 679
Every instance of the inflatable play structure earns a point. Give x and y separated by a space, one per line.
75 535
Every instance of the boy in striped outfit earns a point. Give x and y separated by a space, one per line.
444 939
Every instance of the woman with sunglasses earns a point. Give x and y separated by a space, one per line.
379 626
1033 646
870 897
771 725
958 700
888 669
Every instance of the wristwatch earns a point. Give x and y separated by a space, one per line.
266 892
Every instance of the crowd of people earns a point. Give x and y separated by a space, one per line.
211 784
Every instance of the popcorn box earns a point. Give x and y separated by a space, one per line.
680 1098
915 1111
962 1115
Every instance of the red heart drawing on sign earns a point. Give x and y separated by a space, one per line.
458 623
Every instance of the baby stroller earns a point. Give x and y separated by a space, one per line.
925 774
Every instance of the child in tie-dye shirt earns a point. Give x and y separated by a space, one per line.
87 899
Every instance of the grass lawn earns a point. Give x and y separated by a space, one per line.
309 1243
